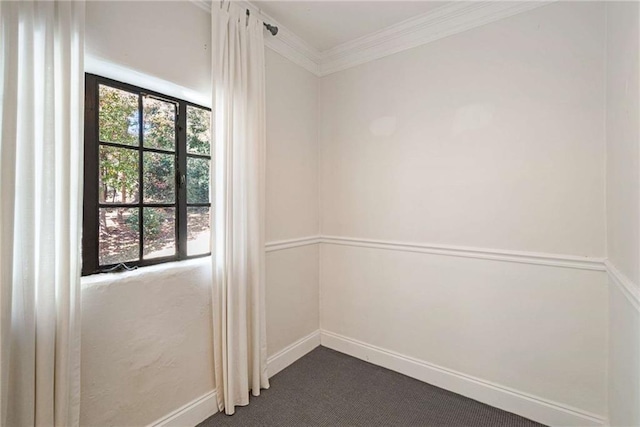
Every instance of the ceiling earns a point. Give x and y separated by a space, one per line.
326 24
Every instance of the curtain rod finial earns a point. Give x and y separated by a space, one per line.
272 29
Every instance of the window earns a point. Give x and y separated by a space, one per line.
146 180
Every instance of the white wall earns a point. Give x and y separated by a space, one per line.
623 210
292 201
146 343
168 40
497 139
493 138
146 335
292 152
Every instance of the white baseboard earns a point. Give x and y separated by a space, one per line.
523 404
293 352
192 413
206 405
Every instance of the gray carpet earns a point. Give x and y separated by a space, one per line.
327 388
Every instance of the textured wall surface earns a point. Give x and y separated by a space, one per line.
146 346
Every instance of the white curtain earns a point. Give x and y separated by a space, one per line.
41 102
240 351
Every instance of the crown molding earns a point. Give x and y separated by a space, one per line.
441 22
286 43
202 4
294 49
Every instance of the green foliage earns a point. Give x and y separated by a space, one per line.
198 130
118 174
118 116
153 221
198 142
159 177
119 166
159 124
118 122
197 180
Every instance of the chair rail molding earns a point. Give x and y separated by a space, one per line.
278 245
536 258
629 289
443 21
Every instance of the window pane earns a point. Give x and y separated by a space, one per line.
118 116
159 121
118 175
159 232
119 235
198 230
197 180
159 177
198 130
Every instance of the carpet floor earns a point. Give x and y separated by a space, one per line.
327 388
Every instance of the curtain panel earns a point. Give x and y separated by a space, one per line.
240 351
41 150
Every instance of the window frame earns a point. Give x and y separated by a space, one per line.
91 204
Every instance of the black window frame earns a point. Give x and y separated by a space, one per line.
91 204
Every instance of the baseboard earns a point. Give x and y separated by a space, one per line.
206 405
523 404
293 352
526 405
192 413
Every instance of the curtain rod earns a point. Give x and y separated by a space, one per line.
271 28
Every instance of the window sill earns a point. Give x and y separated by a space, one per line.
147 273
